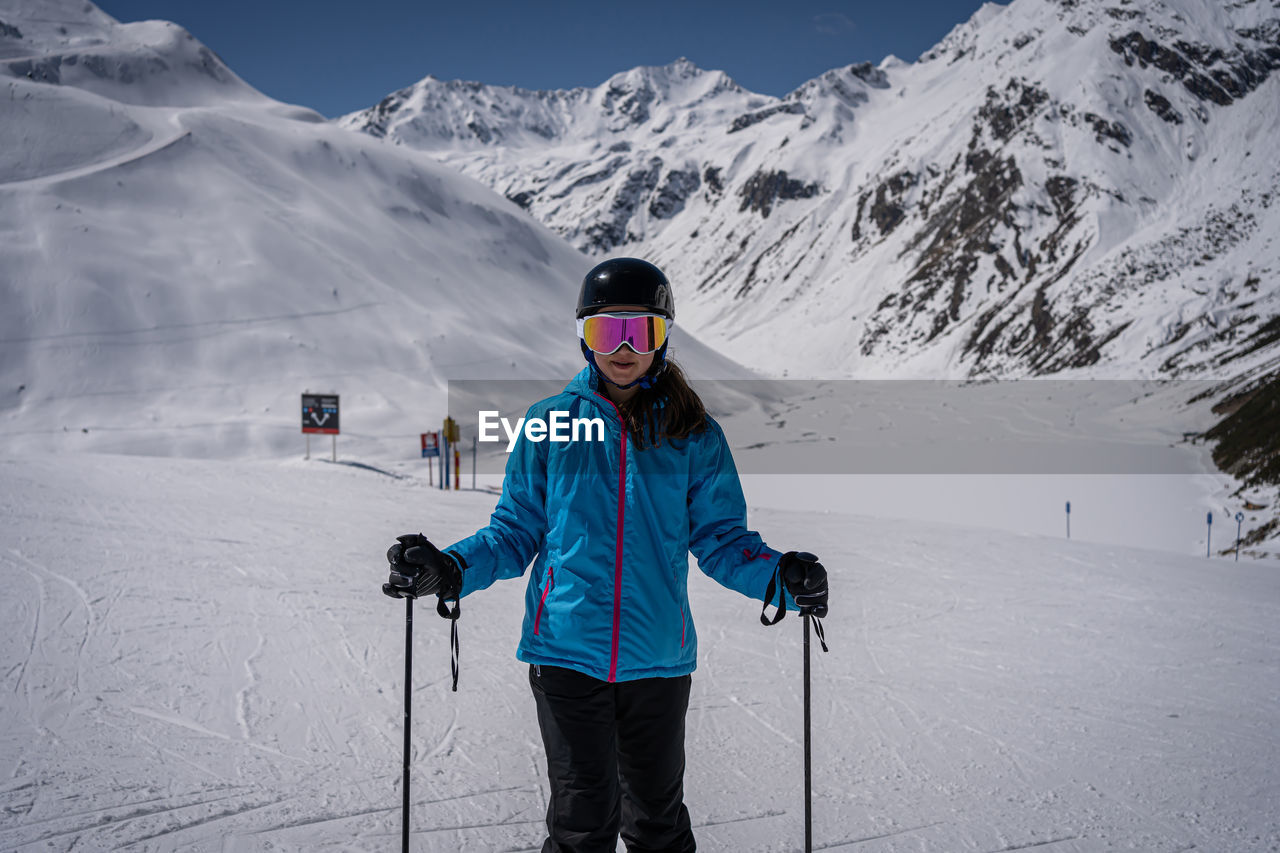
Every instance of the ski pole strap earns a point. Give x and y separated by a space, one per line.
817 630
775 588
452 615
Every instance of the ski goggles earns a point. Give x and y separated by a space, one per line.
606 333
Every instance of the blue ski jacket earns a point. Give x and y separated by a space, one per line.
612 527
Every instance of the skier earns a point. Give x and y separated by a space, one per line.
607 631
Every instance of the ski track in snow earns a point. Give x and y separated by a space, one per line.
154 146
199 658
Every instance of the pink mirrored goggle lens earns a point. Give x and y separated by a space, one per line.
606 333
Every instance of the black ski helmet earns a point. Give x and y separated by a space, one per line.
626 281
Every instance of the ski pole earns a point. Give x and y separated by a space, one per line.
408 696
807 612
808 615
808 757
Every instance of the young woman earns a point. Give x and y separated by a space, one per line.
608 526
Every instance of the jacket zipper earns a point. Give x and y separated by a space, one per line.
617 555
537 619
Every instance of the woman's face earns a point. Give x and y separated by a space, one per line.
624 366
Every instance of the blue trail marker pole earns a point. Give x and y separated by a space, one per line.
1208 533
1068 519
1239 524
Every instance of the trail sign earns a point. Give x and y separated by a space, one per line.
430 444
320 413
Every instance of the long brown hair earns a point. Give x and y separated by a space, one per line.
669 409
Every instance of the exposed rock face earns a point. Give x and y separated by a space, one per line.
1160 105
742 122
639 184
1007 111
1248 441
675 188
1209 73
763 190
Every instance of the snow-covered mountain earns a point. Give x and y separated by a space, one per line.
1056 187
181 257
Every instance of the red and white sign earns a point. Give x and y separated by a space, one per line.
430 444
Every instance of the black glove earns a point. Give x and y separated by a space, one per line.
419 568
806 580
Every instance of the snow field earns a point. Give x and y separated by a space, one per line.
199 658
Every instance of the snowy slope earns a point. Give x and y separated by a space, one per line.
196 659
181 257
1055 186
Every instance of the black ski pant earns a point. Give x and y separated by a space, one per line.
615 759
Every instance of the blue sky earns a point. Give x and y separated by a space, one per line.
337 57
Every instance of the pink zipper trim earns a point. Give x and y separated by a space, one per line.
617 554
537 619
